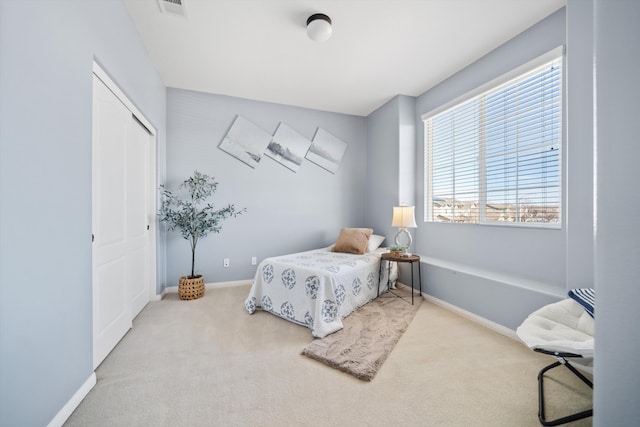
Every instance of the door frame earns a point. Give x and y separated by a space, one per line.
101 74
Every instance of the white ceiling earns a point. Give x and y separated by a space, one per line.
258 49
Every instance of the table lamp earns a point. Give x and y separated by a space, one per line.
404 217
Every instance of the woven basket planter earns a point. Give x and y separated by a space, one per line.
191 288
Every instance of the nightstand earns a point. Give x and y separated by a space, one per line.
411 259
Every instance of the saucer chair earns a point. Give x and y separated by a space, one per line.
563 330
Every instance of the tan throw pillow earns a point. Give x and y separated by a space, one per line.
353 240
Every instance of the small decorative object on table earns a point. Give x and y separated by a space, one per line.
398 250
191 212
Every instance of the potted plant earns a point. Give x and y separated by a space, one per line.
189 210
398 250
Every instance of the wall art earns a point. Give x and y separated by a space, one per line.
326 150
245 141
288 147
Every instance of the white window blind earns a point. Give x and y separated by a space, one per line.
496 157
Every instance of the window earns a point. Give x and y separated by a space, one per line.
495 157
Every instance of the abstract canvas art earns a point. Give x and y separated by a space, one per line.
288 147
245 141
326 150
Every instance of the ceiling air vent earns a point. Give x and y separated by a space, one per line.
173 7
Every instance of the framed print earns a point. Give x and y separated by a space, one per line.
326 150
245 141
288 147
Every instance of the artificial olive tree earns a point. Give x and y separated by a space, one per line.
190 210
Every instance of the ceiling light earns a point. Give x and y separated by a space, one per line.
319 27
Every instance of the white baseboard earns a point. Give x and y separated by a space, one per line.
496 327
174 289
158 297
227 284
73 403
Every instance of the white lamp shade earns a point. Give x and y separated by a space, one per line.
319 27
404 216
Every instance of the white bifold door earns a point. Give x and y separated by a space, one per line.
122 150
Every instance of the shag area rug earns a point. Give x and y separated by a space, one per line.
369 335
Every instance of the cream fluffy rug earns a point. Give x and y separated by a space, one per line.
368 336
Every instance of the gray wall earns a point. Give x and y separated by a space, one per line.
390 174
407 150
391 167
579 146
617 251
510 270
286 211
46 54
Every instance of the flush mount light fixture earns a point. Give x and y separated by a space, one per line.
319 27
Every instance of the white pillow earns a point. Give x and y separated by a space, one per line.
374 242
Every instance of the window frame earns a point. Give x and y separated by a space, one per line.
556 54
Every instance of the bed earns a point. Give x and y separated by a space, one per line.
317 288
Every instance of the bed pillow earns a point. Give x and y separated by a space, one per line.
353 240
374 242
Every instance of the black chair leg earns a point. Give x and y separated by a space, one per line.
568 418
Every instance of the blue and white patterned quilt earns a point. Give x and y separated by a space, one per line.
317 288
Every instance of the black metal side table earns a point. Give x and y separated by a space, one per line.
388 256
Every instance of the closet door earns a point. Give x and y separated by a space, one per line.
111 314
122 215
138 152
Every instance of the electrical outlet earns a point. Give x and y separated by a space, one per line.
254 260
225 262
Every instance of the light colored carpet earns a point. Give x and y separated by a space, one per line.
209 363
369 335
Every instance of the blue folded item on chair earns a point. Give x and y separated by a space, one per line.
586 297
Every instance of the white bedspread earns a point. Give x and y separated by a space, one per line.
316 288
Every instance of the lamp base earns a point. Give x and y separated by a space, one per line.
404 231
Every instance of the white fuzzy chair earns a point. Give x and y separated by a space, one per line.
564 330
